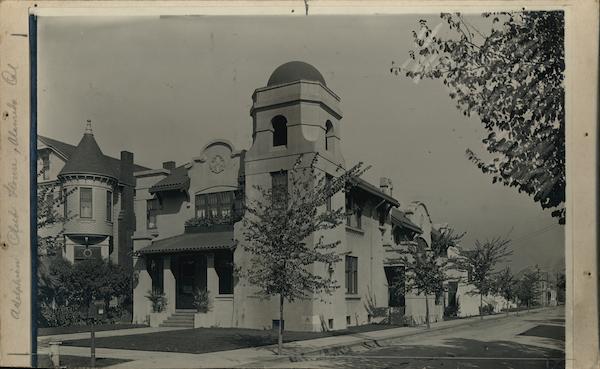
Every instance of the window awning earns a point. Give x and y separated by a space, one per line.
177 180
191 242
400 219
374 190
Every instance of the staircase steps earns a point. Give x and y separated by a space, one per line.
180 319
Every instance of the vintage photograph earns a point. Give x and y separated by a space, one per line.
292 191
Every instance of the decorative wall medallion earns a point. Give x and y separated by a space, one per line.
217 164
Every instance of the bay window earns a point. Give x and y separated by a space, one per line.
85 202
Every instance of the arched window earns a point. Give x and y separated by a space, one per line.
328 134
279 130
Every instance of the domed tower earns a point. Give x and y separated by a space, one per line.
89 183
295 113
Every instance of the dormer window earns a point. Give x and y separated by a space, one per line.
279 131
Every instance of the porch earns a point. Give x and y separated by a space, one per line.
181 267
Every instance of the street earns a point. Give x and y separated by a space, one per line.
530 341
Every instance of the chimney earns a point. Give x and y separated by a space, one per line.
385 184
126 168
170 165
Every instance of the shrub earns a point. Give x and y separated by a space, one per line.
158 300
486 309
202 300
452 311
61 316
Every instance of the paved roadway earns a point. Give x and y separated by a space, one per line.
531 341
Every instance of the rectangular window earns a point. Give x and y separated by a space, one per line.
109 207
353 212
328 179
225 203
50 206
152 206
279 191
85 202
351 275
348 210
64 204
214 205
46 166
201 206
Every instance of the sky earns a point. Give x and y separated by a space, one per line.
163 87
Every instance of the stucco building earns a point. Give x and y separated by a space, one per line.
188 225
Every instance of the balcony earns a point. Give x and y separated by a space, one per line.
219 223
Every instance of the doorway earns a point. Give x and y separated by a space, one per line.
191 275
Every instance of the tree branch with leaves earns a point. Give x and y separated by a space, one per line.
481 261
512 78
425 273
279 225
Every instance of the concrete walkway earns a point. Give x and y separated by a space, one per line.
253 356
109 333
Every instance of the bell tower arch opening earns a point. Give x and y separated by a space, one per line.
280 131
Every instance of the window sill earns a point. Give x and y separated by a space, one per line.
354 229
224 297
352 296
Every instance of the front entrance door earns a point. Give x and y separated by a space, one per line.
191 276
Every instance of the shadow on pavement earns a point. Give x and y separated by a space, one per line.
454 353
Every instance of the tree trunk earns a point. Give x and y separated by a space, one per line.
280 335
427 312
506 307
480 306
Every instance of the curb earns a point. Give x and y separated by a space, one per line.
370 343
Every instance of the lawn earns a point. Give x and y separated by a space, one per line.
202 340
85 328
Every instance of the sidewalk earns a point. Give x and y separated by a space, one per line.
256 355
110 333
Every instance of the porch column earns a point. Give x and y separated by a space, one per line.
212 278
141 306
169 285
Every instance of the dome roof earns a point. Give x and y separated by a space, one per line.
295 71
88 159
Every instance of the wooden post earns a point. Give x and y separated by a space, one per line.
93 346
55 353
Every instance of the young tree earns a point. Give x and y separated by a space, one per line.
528 288
50 229
425 273
481 261
278 226
511 76
505 286
446 238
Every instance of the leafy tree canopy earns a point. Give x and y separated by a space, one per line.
276 230
512 77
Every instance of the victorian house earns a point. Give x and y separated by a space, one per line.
92 198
